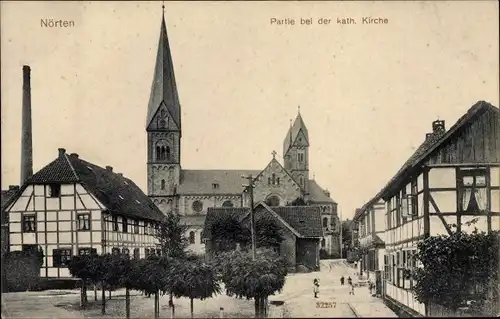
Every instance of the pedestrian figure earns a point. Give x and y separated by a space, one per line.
371 286
316 287
351 286
342 279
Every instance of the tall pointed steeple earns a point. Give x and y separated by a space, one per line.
164 87
296 152
163 129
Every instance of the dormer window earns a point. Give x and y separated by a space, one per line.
54 190
215 185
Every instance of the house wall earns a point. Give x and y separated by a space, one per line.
57 226
308 253
288 249
438 206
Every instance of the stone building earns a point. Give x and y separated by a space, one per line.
191 192
300 228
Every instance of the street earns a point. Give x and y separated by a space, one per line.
333 301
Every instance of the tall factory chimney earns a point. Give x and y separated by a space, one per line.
26 133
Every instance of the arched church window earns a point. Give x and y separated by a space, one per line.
269 180
158 152
273 200
323 242
301 181
191 237
227 203
274 179
277 180
162 184
325 222
161 150
167 153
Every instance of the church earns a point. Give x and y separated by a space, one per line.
191 192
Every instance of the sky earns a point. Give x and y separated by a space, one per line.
368 93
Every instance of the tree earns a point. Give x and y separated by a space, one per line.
268 233
257 279
198 281
171 236
455 266
86 268
226 231
346 234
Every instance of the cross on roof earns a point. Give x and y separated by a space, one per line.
299 108
274 154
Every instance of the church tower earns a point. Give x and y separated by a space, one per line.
163 128
296 152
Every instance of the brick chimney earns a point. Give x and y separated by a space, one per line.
119 174
438 127
327 192
61 151
109 168
13 187
74 155
26 131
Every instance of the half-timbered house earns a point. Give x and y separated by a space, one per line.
450 180
73 207
371 224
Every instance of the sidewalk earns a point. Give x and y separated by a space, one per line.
364 305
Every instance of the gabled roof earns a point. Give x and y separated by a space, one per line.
118 194
293 132
434 143
164 87
198 182
317 194
7 197
306 220
303 221
274 160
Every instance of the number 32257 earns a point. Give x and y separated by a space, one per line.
326 304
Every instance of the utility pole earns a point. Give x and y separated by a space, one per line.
341 243
250 187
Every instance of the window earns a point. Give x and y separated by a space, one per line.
301 156
137 253
277 180
273 179
115 251
269 180
83 222
197 206
168 153
146 228
115 223
325 222
162 184
61 257
125 225
273 200
191 237
472 190
162 151
201 237
158 251
54 190
126 252
227 203
301 182
87 251
29 223
215 185
323 243
136 226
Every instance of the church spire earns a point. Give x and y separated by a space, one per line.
164 87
